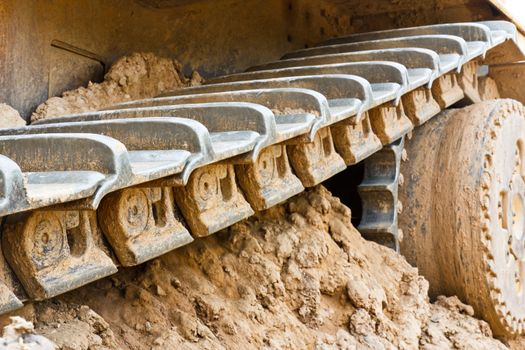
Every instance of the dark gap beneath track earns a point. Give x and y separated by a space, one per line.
344 186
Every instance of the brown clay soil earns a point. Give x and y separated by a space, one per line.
139 75
10 118
298 276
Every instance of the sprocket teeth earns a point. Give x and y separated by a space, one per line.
492 273
511 323
486 179
485 202
487 161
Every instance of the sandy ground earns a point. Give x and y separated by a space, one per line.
298 276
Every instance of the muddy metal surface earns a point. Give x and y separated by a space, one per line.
296 276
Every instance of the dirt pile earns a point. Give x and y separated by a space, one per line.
74 327
139 75
298 276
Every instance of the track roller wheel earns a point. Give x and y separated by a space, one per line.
464 209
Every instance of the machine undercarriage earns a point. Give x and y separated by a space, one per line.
83 194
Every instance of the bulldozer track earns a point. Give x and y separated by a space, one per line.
82 194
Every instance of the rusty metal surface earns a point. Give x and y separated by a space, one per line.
355 140
389 122
316 161
269 180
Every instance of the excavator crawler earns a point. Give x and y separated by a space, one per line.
431 112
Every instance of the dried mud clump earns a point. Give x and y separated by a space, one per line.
139 75
9 117
451 326
20 335
298 276
74 327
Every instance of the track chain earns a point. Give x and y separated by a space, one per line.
197 160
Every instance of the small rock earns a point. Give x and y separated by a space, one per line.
160 291
175 283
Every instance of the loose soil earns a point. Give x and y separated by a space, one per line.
137 76
298 276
